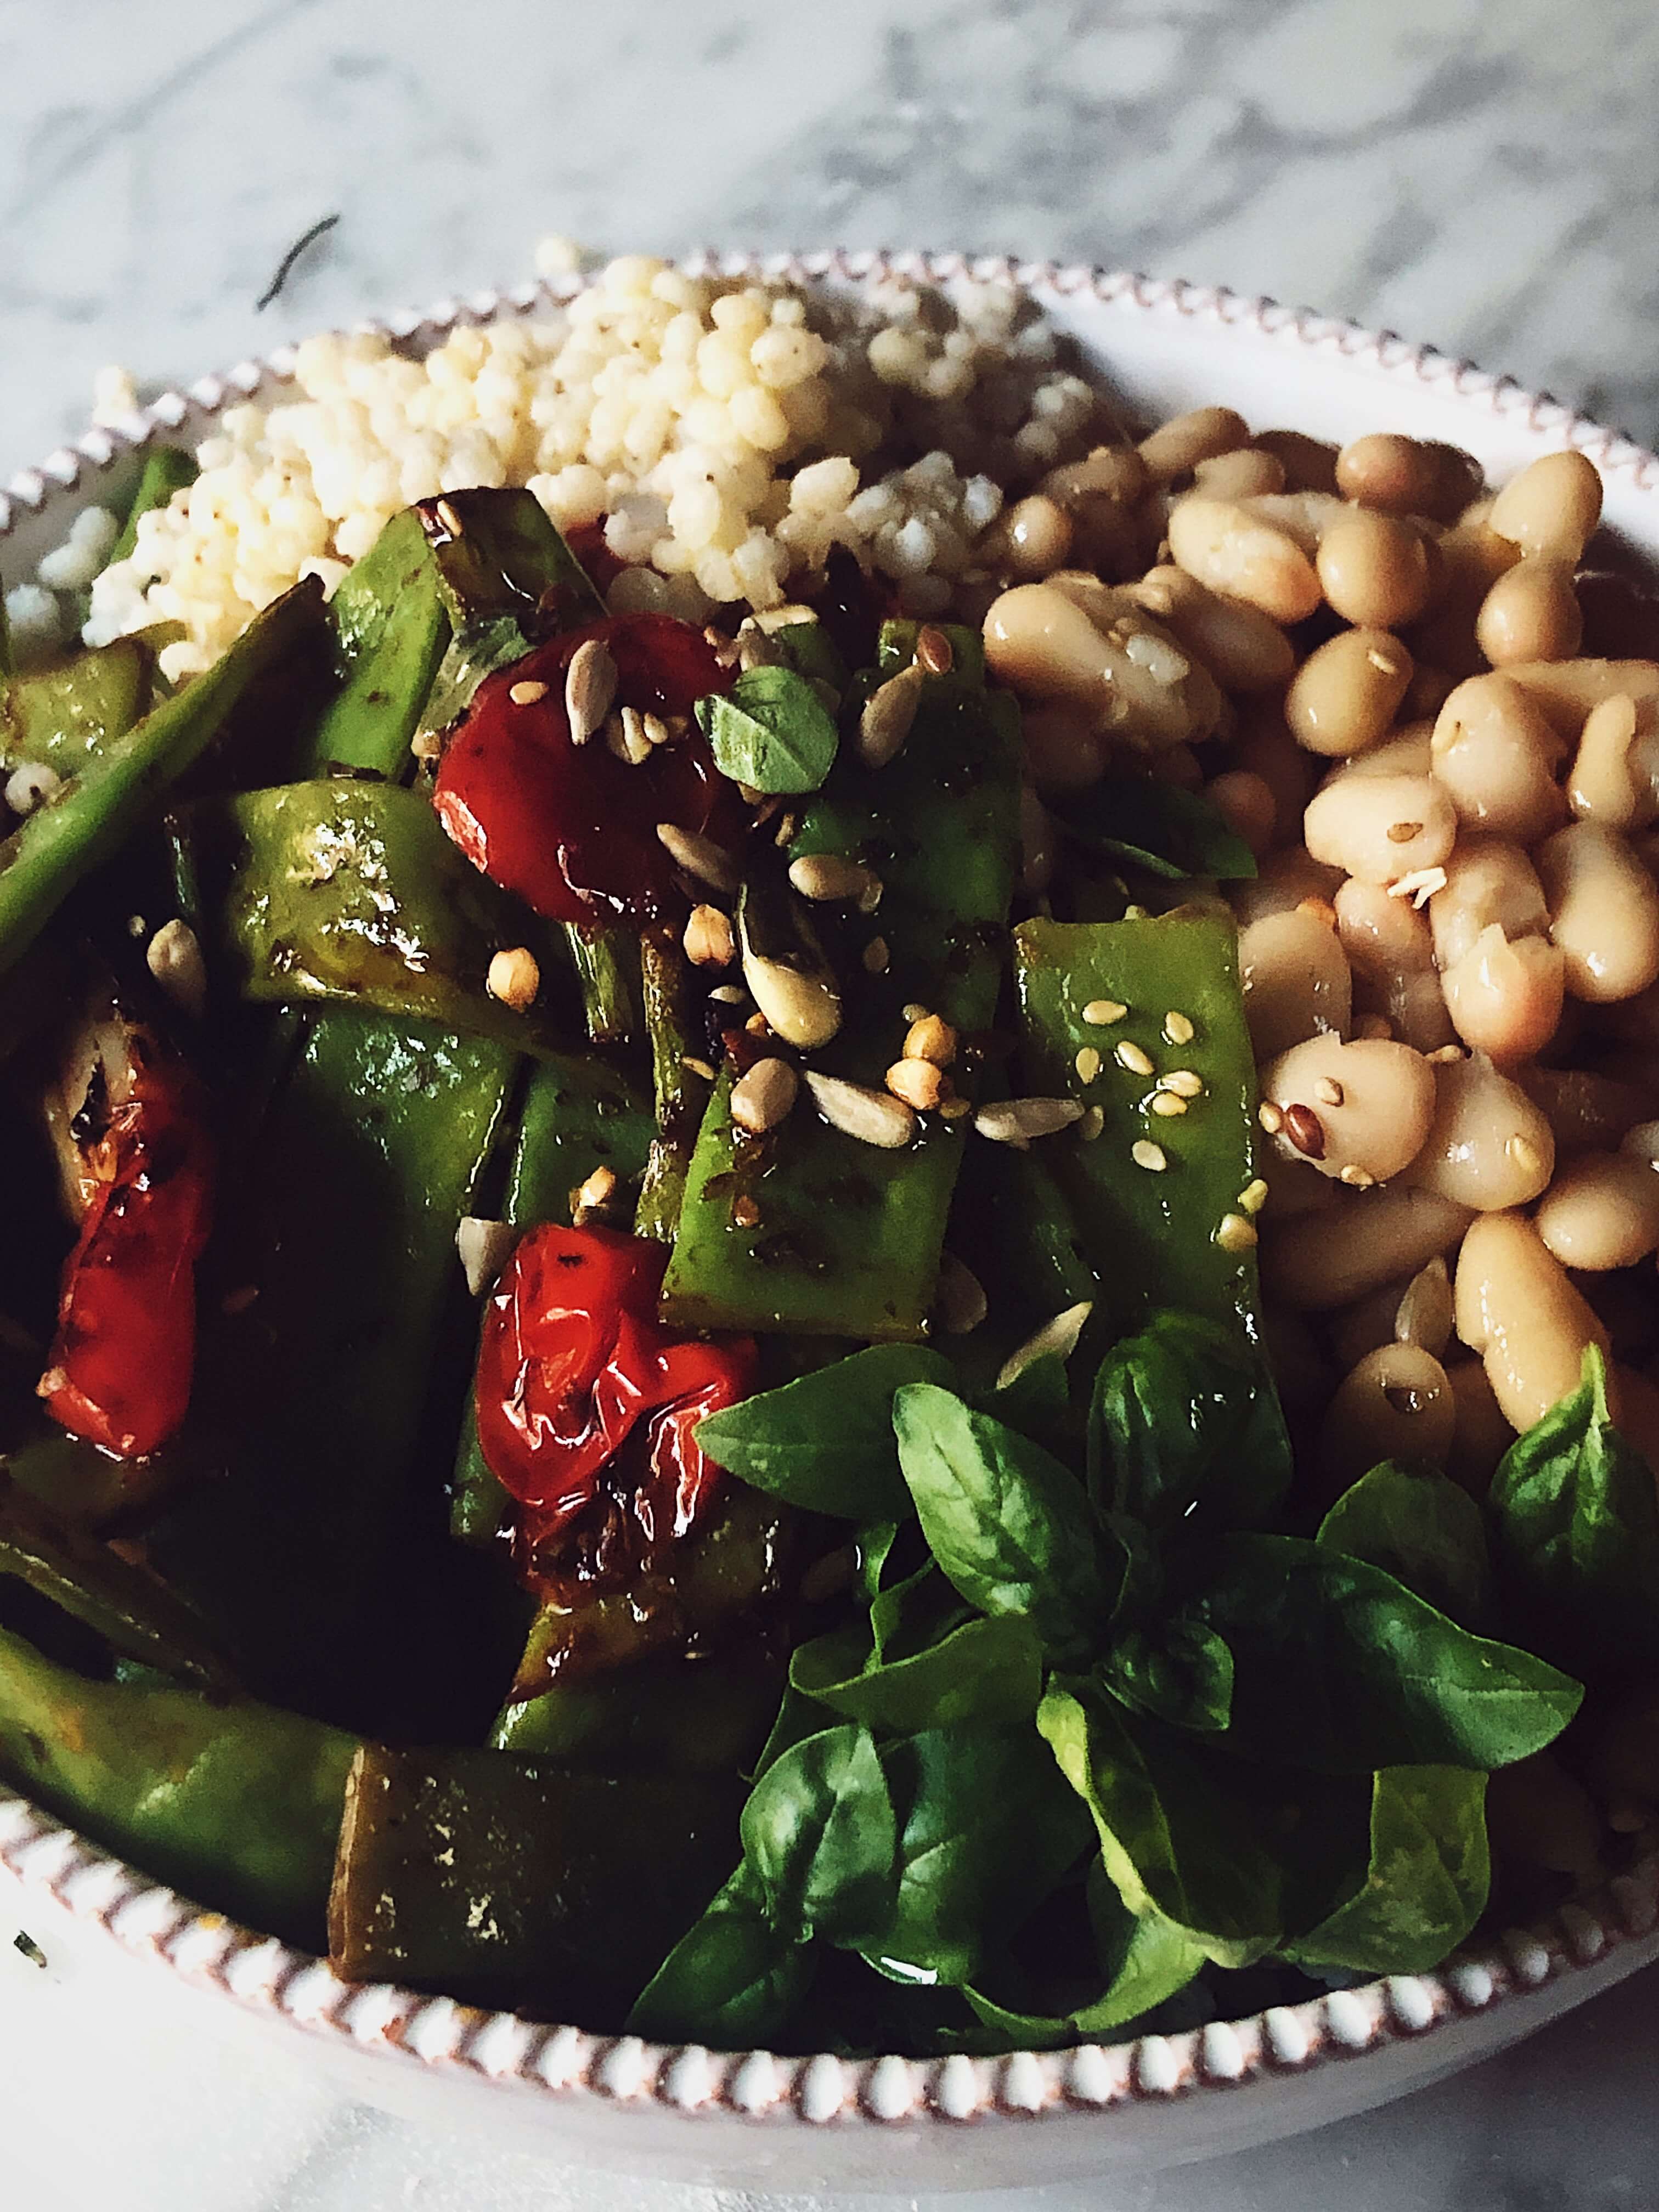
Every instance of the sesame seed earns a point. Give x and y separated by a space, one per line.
1253 1197
1129 1055
1178 1028
914 1011
448 516
695 1067
1328 1091
934 651
1445 1055
1401 833
1356 1178
1166 1105
745 1214
1235 1233
1137 914
1152 1157
1186 1082
1087 1063
1101 1013
728 995
598 1190
875 957
527 694
1092 1124
1268 1114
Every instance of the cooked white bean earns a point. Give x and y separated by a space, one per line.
1134 676
1408 476
1552 507
1246 803
1265 746
1567 689
1481 1436
1347 692
1360 1111
1396 1404
1531 613
1179 444
1607 783
1495 752
1388 943
1381 827
1309 463
1286 879
1641 1141
1224 545
1604 912
1296 981
1374 568
1409 751
1113 472
1305 516
1488 880
1033 537
1102 602
1601 1210
1239 645
1516 1307
1504 995
1246 473
1489 1147
1331 1256
1063 750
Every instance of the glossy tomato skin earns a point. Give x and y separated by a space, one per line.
587 1407
571 829
122 1361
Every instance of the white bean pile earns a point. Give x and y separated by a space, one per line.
1450 954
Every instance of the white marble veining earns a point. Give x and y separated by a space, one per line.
1482 176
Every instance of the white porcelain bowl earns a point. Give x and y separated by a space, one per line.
887 2123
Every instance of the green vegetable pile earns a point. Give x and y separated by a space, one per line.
1016 1685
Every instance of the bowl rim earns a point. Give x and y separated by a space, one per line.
563 2063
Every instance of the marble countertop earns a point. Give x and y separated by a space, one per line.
1480 177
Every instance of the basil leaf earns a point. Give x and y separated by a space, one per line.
819 1834
770 731
1037 1402
988 1828
1185 1421
1008 1524
825 1441
733 1980
1337 1667
1575 1524
1424 1530
1173 1838
1425 1883
977 1669
809 649
1170 832
1182 1673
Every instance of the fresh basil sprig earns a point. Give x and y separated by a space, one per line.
1011 1527
1185 1423
1424 1530
770 731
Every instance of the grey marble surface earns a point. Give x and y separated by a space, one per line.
1482 175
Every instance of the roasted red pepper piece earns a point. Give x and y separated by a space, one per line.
589 1407
120 1368
572 829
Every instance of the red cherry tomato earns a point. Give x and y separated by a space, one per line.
120 1369
572 829
587 1406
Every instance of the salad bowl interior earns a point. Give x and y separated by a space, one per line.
884 2124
